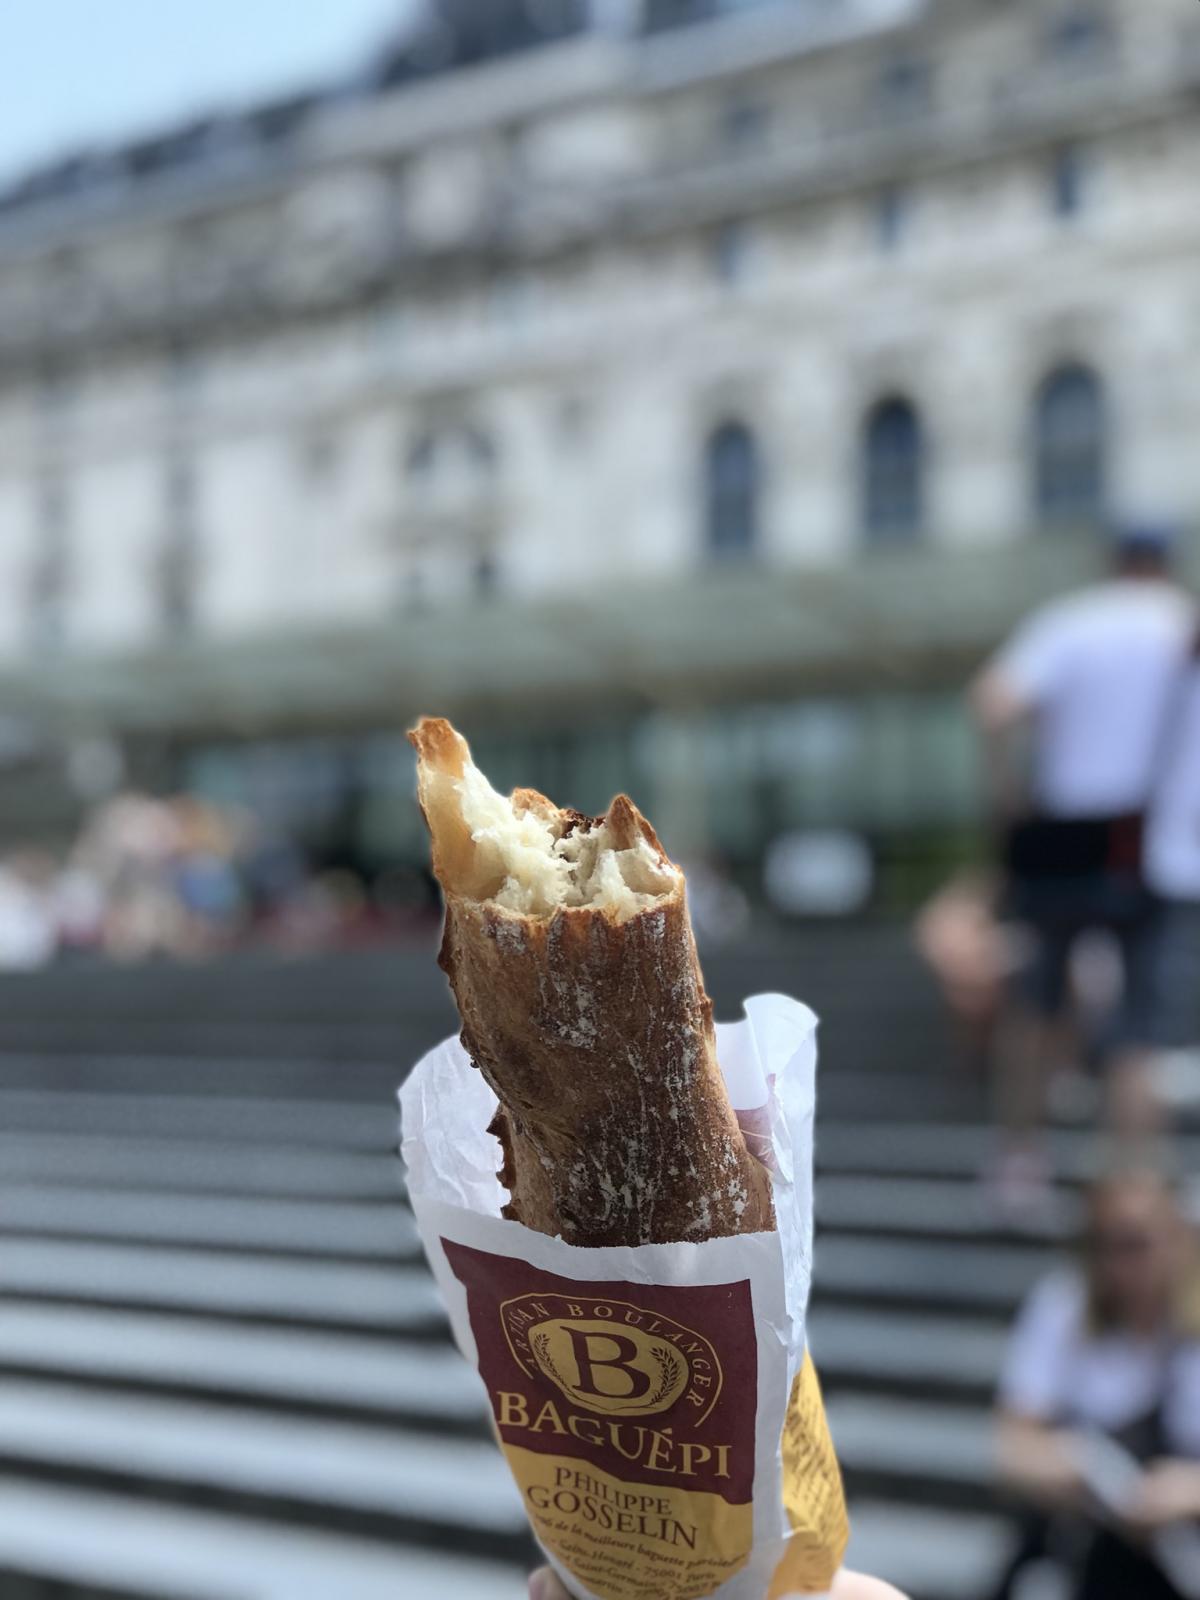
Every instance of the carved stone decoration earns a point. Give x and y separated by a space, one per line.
73 299
177 576
446 194
138 276
461 33
18 311
443 531
334 234
50 570
198 277
247 251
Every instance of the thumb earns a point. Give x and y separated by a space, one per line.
853 1586
543 1585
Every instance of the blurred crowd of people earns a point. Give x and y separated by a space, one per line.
1072 970
185 878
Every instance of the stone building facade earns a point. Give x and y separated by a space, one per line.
663 386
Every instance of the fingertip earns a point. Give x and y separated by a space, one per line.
539 1584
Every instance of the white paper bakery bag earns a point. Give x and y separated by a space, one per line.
656 1405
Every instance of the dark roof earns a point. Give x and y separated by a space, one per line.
457 33
461 33
189 144
660 15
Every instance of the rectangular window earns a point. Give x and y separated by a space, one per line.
177 558
49 574
1081 37
319 457
891 218
744 125
904 90
55 393
1067 182
731 254
182 373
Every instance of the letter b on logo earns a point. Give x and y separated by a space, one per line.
610 1357
629 1373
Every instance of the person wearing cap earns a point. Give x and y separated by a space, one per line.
1091 682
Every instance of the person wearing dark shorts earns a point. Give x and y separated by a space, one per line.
1173 875
1090 680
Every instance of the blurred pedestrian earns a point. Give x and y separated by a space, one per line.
27 924
1173 874
1099 1421
202 873
972 954
1091 682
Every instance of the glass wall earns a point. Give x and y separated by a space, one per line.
899 769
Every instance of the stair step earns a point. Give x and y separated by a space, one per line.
78 1160
106 1042
428 1383
984 1278
406 1485
173 1553
930 1554
899 1350
348 1228
894 1098
913 1449
948 1150
220 1284
931 1208
185 1115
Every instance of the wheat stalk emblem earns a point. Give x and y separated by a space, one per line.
671 1364
541 1343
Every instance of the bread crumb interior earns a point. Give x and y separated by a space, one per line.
527 861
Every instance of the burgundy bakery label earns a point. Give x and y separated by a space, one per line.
627 1415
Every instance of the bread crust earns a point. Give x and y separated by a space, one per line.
596 1035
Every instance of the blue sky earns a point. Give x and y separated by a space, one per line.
72 71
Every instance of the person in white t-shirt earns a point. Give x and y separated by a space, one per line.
1172 865
1090 680
1111 1352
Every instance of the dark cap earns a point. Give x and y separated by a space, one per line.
1143 540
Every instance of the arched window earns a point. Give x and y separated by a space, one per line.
1069 446
731 490
50 573
1080 35
1067 182
178 555
450 451
422 455
893 469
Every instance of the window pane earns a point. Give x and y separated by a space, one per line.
891 217
893 471
49 574
1067 183
732 475
1070 446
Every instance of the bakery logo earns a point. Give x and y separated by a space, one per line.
613 1357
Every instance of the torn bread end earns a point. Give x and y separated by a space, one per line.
523 853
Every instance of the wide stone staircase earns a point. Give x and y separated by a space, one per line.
224 1370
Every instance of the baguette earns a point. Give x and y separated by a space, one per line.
569 949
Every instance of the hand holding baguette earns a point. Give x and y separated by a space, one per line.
543 1585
